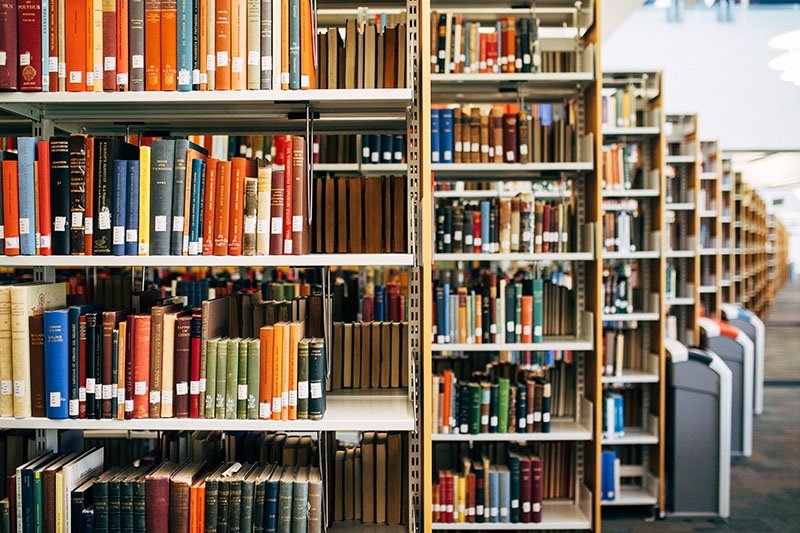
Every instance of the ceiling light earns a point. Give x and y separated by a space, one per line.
789 40
786 60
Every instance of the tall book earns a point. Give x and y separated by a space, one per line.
161 184
301 240
26 189
106 152
169 45
152 52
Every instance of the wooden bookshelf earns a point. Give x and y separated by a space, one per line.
727 256
644 484
710 215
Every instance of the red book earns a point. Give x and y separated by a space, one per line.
110 45
491 53
75 44
280 154
157 490
546 229
209 206
152 51
122 46
471 498
129 365
527 319
45 232
476 232
222 43
276 214
29 35
194 368
11 207
484 40
183 360
236 229
8 46
222 208
525 488
169 45
537 488
448 378
287 196
82 366
141 366
88 215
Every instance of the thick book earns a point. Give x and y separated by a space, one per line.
162 161
185 21
236 199
301 239
180 483
277 206
56 362
144 200
44 223
59 194
169 45
26 190
36 325
179 185
77 194
136 11
8 46
120 208
222 208
158 497
111 321
29 46
157 314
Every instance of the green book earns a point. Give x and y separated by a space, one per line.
211 376
474 408
38 515
260 499
513 466
232 382
248 497
5 517
502 405
126 501
302 379
518 312
235 499
285 492
222 376
115 500
538 303
101 508
139 508
300 500
253 377
241 389
211 498
223 491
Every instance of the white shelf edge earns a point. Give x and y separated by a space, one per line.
631 437
678 301
680 159
644 254
630 193
574 345
566 256
631 496
630 317
708 251
560 430
550 77
630 376
679 253
679 206
707 289
450 168
555 515
624 132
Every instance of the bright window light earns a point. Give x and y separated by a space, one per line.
789 40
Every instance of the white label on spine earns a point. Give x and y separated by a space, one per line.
155 396
131 235
3 232
75 76
252 57
110 63
82 394
161 223
2 58
139 388
19 388
98 391
457 235
90 385
106 392
266 62
458 146
493 421
62 70
316 390
184 77
24 226
52 64
25 59
514 504
122 79
144 248
523 149
128 406
177 223
277 225
287 247
526 507
194 387
302 390
522 423
237 64
479 510
88 225
537 331
98 72
537 416
5 387
181 389
196 76
510 326
166 396
119 235
364 151
264 410
12 242
292 398
137 61
546 416
468 240
241 392
222 58
276 404
55 399
537 507
74 407
284 77
77 219
210 64
104 219
297 223
475 147
202 384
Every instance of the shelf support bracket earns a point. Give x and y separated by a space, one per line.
44 274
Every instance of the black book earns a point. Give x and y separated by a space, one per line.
440 216
87 520
59 194
82 497
316 379
139 504
494 404
463 408
178 197
162 163
522 408
77 193
511 306
486 317
458 229
448 229
106 151
493 214
469 229
441 45
92 337
98 367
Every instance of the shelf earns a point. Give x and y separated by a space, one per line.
707 289
355 110
504 170
470 194
708 176
555 515
679 301
534 257
369 168
679 253
560 430
631 132
725 283
725 219
680 159
631 495
549 343
630 193
708 251
491 87
708 214
632 436
352 412
630 376
80 261
630 317
679 206
644 254
725 187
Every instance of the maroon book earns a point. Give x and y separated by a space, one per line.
525 487
129 365
156 486
8 46
276 213
109 46
510 137
537 477
111 320
29 32
183 346
38 404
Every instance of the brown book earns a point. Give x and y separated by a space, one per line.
315 500
484 137
399 215
333 58
276 212
368 491
373 211
370 47
524 148
350 46
457 136
158 501
538 221
394 470
475 135
380 478
360 56
250 216
390 57
337 361
366 354
355 214
330 215
347 356
380 62
400 77
341 66
301 240
338 495
395 346
111 320
386 214
504 228
349 484
496 125
356 365
322 68
342 213
156 355
386 354
510 137
183 354
375 357
38 395
49 492
180 484
214 324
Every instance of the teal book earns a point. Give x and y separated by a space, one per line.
538 304
285 497
211 377
185 56
139 505
502 405
253 377
494 494
300 500
248 499
115 500
260 499
222 377
505 493
232 381
241 391
273 490
514 469
474 408
302 379
294 44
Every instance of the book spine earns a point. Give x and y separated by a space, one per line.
199 45
301 242
178 198
8 46
231 379
29 28
287 197
161 185
141 366
253 44
294 44
277 213
209 206
102 237
238 16
222 208
194 373
263 209
316 379
132 208
109 45
250 216
241 377
120 207
222 77
185 44
183 357
237 191
266 45
169 45
136 31
144 200
195 207
26 189
77 193
123 57
152 52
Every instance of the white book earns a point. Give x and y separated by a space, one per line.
73 475
276 44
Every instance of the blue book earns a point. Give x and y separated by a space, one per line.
435 141
607 476
379 303
132 208
439 294
294 44
446 313
273 484
505 494
446 136
546 114
56 362
550 359
397 149
75 394
25 476
45 9
486 245
494 494
26 148
195 238
120 207
386 148
619 419
366 143
185 45
383 22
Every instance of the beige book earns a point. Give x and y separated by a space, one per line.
370 65
380 60
368 493
6 388
350 45
366 354
349 489
360 57
380 478
394 471
168 364
263 213
356 383
333 55
357 507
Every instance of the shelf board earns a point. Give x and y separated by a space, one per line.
491 87
631 495
534 257
708 176
725 219
679 206
548 343
631 132
351 412
632 436
555 515
725 187
708 214
679 253
708 251
630 376
369 168
79 261
560 430
643 254
630 317
725 283
680 159
472 194
491 171
679 301
630 193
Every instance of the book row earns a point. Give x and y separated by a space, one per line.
622 168
538 133
194 45
612 462
623 226
512 44
504 225
83 195
622 108
510 188
677 225
622 349
613 415
499 483
490 307
369 355
617 288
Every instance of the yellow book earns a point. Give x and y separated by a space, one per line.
462 499
262 223
277 363
97 42
59 502
144 200
120 385
296 334
626 109
168 364
285 369
6 396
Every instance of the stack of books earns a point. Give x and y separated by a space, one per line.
622 168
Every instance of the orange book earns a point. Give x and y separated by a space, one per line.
222 208
202 81
191 154
277 365
208 207
11 206
307 42
152 49
478 311
286 353
238 45
122 45
75 44
296 333
284 44
236 217
527 319
123 338
201 511
193 507
89 43
141 366
88 220
222 45
266 334
169 45
446 401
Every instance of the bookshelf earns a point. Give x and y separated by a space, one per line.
711 212
570 28
777 257
740 241
307 112
727 256
634 140
682 226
